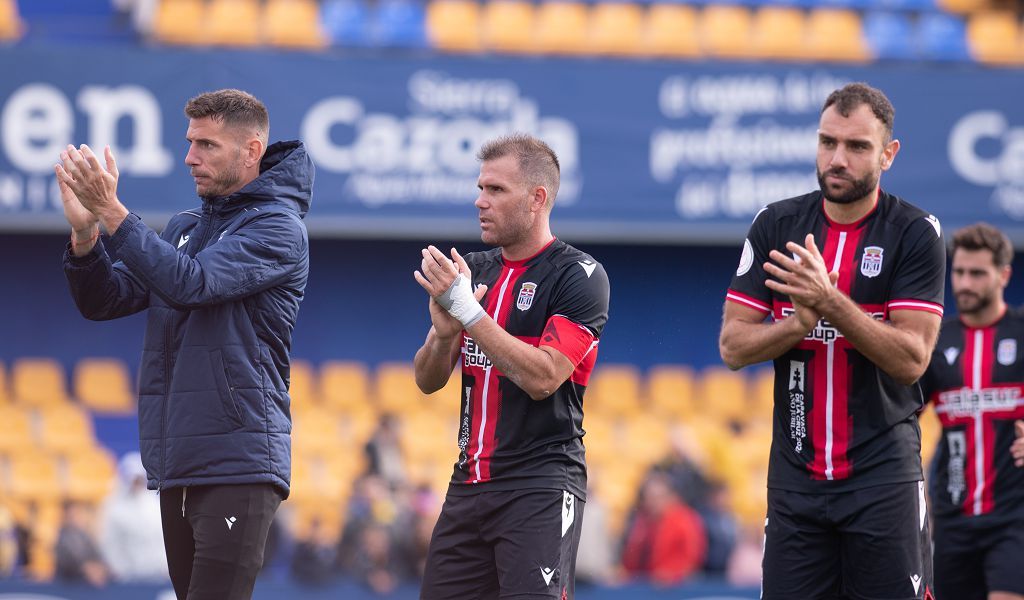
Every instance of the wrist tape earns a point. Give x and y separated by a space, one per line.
458 300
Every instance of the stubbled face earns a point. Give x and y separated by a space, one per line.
977 281
851 154
215 157
503 203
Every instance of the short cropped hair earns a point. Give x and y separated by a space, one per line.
982 236
231 107
847 98
537 161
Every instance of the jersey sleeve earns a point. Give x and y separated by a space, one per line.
919 283
578 312
747 287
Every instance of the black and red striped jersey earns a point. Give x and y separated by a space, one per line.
976 380
840 422
508 441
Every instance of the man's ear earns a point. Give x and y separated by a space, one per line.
254 151
889 154
539 198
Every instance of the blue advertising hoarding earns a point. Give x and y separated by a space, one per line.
651 151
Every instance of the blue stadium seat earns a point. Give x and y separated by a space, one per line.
942 37
346 22
400 23
889 35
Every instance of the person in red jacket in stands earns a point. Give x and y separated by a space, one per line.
665 541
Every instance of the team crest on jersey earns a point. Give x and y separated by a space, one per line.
526 294
871 262
1006 351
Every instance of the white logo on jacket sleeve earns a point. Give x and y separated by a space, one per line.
934 222
588 266
1006 352
183 240
871 261
526 294
746 259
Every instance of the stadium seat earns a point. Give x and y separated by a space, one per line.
507 26
293 24
931 430
346 22
180 22
11 26
994 37
104 386
762 395
400 23
670 391
344 385
779 32
670 31
66 429
302 386
964 7
396 388
889 35
727 31
941 37
315 430
234 23
835 35
614 390
19 431
616 28
34 476
723 395
39 382
454 25
562 27
90 475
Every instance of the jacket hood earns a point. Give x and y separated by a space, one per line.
286 175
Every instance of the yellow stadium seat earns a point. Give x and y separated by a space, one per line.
344 385
11 26
616 28
293 24
19 432
931 431
89 475
762 396
727 31
964 7
723 395
614 389
670 391
835 34
302 386
66 429
315 430
779 32
233 23
562 27
645 440
39 382
34 476
103 385
995 37
507 26
180 22
671 31
396 388
454 25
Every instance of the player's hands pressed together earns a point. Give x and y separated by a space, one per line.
437 274
94 187
1017 448
803 277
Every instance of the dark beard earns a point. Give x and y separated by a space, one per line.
980 304
861 188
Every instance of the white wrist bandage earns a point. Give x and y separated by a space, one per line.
458 300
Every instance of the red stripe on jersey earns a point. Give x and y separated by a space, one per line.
831 419
745 300
910 304
568 337
487 397
581 375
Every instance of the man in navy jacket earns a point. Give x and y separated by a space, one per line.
223 285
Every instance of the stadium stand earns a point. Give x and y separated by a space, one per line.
233 23
994 37
507 26
180 22
103 386
293 24
39 382
562 27
616 28
671 31
454 25
11 25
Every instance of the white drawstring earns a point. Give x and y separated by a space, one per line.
184 491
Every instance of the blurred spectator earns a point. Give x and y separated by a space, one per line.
383 452
315 559
378 563
745 563
595 563
426 506
131 538
665 540
78 555
9 551
719 528
371 503
141 13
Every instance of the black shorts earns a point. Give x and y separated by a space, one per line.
978 555
515 544
869 543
